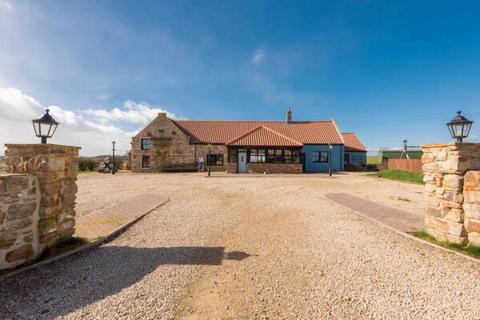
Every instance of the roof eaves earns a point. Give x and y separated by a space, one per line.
337 129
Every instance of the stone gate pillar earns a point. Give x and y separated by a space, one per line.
444 167
56 167
471 205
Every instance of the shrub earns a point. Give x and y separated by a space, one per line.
87 164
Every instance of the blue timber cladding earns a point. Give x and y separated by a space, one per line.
337 157
357 158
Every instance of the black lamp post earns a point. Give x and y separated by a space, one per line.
459 127
330 147
209 160
45 127
113 156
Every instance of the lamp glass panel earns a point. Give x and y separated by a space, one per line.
457 129
53 129
466 129
45 129
36 127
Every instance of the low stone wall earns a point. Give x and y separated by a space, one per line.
275 167
445 167
268 167
19 215
56 169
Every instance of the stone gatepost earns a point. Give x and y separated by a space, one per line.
444 167
471 205
56 168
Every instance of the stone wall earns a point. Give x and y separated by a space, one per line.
444 168
19 215
275 167
56 168
268 167
170 148
471 205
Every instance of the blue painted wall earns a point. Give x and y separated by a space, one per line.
358 158
337 158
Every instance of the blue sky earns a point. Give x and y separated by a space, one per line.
385 70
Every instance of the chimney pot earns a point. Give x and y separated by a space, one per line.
289 114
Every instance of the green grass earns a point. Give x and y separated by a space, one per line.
399 175
469 249
372 159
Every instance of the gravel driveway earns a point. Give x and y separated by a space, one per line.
249 247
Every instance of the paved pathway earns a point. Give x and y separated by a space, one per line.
102 223
400 220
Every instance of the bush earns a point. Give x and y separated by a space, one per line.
87 164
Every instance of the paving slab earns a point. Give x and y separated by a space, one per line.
398 219
102 223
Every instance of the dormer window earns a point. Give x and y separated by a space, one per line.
145 143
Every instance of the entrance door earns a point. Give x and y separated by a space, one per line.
302 160
242 161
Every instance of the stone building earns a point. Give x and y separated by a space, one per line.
243 146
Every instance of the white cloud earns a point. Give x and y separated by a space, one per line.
258 56
94 136
102 97
5 5
132 112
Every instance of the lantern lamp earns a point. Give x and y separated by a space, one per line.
459 127
45 127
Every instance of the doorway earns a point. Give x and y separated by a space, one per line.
242 161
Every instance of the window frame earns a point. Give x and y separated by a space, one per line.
147 157
142 144
232 155
317 156
274 155
219 158
258 154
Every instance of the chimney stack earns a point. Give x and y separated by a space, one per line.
289 115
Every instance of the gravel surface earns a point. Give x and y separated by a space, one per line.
249 247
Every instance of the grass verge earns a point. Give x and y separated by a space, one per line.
399 175
469 249
372 159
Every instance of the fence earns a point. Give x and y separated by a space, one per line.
412 165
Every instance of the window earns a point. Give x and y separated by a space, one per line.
291 156
320 156
215 159
145 161
357 158
145 143
233 155
257 155
275 155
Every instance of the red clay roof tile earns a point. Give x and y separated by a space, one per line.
352 143
263 136
222 132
